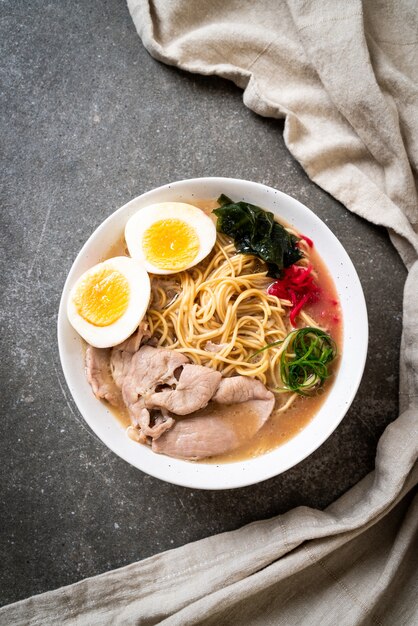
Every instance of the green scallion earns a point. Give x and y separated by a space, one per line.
304 361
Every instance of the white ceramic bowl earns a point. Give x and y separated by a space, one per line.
239 474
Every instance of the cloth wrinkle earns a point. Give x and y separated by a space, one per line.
351 120
260 54
394 43
321 564
197 566
329 20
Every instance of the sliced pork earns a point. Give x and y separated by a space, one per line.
121 355
150 368
107 368
161 424
133 343
120 364
241 389
194 389
239 408
197 437
213 431
99 375
214 347
156 385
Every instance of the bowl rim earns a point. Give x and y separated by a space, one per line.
251 471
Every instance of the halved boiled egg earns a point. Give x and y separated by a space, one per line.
107 302
170 236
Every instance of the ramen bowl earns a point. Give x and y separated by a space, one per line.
229 475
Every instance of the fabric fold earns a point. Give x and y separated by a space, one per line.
344 76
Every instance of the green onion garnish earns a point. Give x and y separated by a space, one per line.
304 360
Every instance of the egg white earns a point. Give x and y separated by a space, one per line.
122 328
139 223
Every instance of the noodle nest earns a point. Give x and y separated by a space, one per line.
219 314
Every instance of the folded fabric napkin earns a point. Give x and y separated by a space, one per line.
344 75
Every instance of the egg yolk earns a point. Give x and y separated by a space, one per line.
102 297
170 244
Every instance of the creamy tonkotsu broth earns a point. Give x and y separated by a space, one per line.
282 424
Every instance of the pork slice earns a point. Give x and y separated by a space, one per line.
120 364
241 389
149 368
239 408
133 343
246 392
99 375
210 346
121 355
196 438
137 435
194 389
215 430
161 424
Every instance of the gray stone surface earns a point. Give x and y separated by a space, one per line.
89 121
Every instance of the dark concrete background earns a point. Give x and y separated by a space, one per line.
89 122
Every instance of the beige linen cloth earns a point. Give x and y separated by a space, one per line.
344 75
